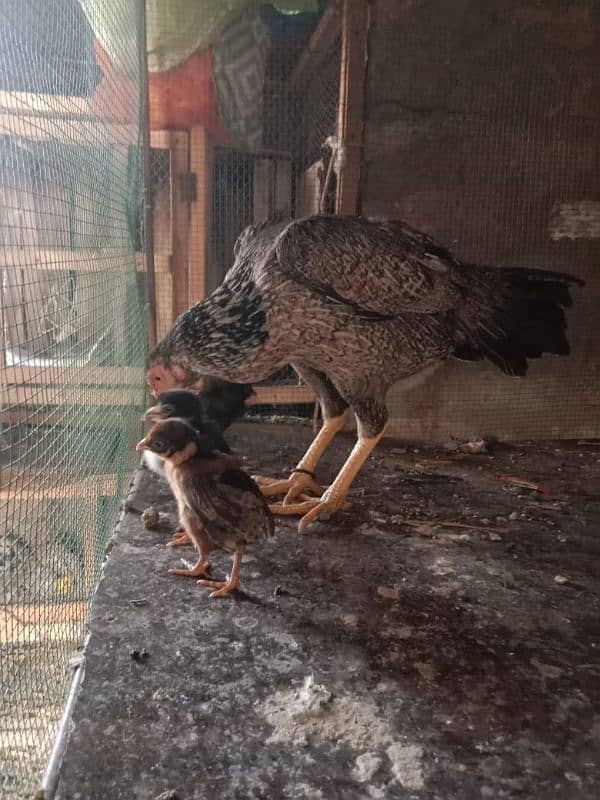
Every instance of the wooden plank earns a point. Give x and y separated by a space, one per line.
160 139
180 221
199 273
350 112
92 376
164 303
63 259
281 395
30 395
49 104
29 487
41 128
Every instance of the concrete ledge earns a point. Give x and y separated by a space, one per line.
384 655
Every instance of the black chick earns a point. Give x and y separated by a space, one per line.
219 505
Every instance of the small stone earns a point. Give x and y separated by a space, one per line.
350 619
170 794
513 515
389 592
278 591
560 579
494 537
150 518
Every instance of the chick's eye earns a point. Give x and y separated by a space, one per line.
159 444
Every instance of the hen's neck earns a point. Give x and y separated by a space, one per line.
218 334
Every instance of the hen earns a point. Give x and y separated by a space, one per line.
356 306
219 505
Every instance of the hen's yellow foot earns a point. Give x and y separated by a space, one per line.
312 508
297 484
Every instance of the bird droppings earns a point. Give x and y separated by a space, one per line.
366 766
484 665
407 764
313 711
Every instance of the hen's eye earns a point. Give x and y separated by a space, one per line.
159 444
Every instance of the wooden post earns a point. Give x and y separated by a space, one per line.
200 278
350 111
180 220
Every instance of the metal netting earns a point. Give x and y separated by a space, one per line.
72 340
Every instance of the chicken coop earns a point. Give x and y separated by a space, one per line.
440 638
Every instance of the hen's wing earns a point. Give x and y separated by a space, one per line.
375 269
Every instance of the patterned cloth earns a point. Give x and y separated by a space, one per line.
239 68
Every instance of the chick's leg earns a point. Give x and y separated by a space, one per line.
302 479
335 497
180 538
196 535
233 579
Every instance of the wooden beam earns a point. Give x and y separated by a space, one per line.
29 487
57 258
350 112
30 395
281 395
29 623
93 376
180 220
199 283
41 128
49 104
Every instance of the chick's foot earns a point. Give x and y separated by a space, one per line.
199 568
179 538
223 587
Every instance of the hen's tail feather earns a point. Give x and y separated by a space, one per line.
513 315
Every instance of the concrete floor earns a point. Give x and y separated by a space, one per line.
384 654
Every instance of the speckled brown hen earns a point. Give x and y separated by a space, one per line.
356 306
219 505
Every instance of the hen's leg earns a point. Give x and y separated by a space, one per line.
335 497
233 579
335 413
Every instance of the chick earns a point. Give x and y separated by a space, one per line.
209 413
219 505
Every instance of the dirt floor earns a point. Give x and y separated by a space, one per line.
440 640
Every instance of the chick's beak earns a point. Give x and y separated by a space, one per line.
142 445
154 413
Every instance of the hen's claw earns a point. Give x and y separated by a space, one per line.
312 508
297 484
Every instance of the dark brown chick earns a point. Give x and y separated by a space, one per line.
219 505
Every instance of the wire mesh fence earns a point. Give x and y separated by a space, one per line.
72 340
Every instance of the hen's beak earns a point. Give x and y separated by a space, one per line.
154 413
143 445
